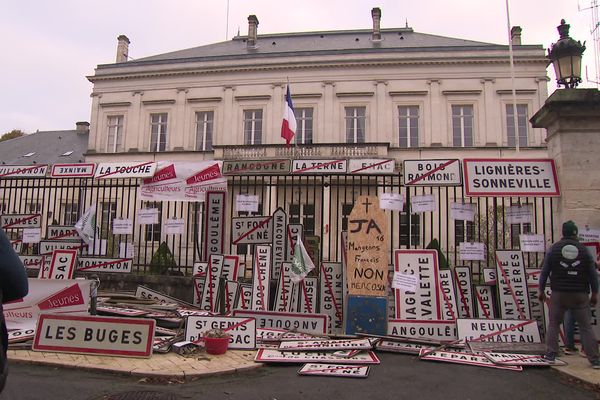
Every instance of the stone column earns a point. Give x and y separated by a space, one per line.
571 118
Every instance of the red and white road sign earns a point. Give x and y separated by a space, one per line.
62 265
337 370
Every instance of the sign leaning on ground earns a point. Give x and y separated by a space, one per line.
242 330
430 329
510 177
432 173
127 337
512 285
498 330
306 323
268 355
338 370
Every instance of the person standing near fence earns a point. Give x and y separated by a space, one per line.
573 275
13 286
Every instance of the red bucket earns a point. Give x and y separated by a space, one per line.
216 345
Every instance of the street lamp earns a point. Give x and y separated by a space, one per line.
565 56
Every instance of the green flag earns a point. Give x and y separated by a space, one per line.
301 264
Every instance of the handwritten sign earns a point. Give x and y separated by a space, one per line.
367 248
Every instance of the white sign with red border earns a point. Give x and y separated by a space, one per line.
326 345
307 301
337 370
126 312
73 170
464 290
98 264
424 303
147 293
457 357
271 355
242 331
62 265
432 173
214 224
520 359
512 285
484 301
135 169
510 177
33 262
431 329
15 221
306 323
23 171
332 295
125 337
371 166
211 284
319 166
498 330
450 311
261 278
284 289
58 232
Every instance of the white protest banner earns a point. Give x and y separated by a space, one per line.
532 243
306 323
84 170
325 344
436 330
424 303
48 295
471 251
374 166
510 177
214 224
457 357
484 302
462 278
174 226
183 181
449 309
102 264
391 201
587 234
147 216
135 169
337 370
246 202
270 355
211 285
242 331
32 235
498 330
405 282
62 264
14 221
126 337
519 214
122 226
463 211
512 285
332 295
425 203
261 277
432 173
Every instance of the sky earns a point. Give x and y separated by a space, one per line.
49 47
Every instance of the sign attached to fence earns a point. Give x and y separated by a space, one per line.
135 169
127 337
498 330
99 264
10 221
242 330
73 170
431 330
512 285
256 167
510 177
371 166
319 166
252 230
58 232
23 171
432 173
307 323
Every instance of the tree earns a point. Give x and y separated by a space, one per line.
11 135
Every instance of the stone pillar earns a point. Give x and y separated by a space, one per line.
571 118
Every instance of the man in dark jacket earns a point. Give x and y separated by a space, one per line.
573 274
13 286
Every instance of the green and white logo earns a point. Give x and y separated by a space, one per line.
569 252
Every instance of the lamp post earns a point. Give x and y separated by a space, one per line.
565 56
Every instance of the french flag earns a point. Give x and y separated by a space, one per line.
288 126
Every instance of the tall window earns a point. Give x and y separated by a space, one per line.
462 126
304 120
521 124
152 231
109 213
355 124
464 231
253 127
69 213
409 230
158 132
409 126
204 130
114 143
303 214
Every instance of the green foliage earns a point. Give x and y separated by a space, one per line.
15 133
162 260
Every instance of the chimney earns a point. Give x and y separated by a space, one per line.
376 14
122 49
252 31
82 127
515 35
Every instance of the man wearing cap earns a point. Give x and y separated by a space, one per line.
572 272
